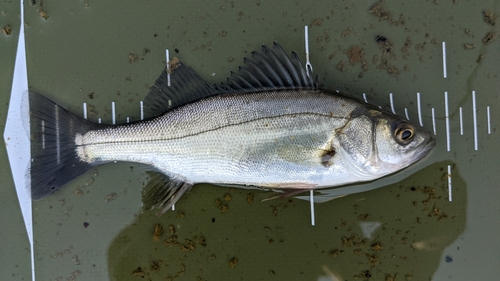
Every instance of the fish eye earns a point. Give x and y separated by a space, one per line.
404 133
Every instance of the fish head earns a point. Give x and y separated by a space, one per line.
376 143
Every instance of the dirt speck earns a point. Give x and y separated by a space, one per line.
181 215
173 64
171 229
133 57
341 66
347 32
43 14
223 208
469 46
157 232
489 37
406 48
390 277
363 217
489 17
383 14
377 246
110 197
139 272
6 29
317 22
387 56
233 262
355 54
250 197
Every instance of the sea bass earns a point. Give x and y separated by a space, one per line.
269 126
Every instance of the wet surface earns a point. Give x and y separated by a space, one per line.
406 230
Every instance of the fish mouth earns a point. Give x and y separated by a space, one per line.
430 143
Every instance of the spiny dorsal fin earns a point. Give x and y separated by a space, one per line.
270 69
185 86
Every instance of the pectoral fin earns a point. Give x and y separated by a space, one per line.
162 192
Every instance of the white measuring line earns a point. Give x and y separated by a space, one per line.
474 116
419 109
444 60
168 66
433 120
113 112
447 117
461 122
308 71
449 183
364 97
391 100
167 59
85 110
488 116
406 113
309 67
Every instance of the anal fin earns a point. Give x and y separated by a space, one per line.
162 192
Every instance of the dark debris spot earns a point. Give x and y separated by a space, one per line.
380 39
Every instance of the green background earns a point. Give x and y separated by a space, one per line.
82 53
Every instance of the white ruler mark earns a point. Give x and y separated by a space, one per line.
58 142
113 113
141 105
308 71
444 60
167 59
85 110
306 39
447 117
364 97
489 120
128 119
311 199
461 122
474 117
449 183
406 113
99 120
433 120
43 134
391 100
419 109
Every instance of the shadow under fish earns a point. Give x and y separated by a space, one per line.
270 126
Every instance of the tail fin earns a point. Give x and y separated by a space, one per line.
54 161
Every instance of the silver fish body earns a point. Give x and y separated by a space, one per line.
271 139
281 132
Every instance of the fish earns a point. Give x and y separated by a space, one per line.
270 126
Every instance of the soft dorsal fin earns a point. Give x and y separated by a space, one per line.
270 69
